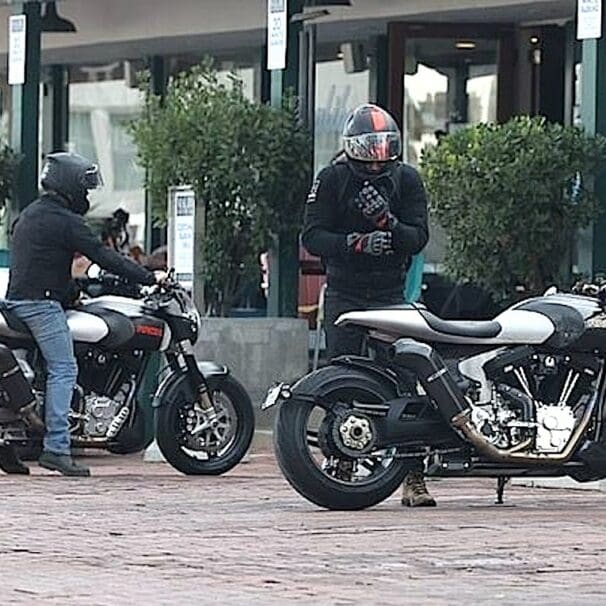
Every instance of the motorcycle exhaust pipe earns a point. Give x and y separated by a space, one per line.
436 379
440 385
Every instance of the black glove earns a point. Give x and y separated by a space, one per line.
375 243
375 207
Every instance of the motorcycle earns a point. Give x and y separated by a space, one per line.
204 419
520 395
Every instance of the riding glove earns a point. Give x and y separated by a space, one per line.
375 243
375 207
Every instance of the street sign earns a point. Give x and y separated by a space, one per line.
181 230
16 49
589 19
277 26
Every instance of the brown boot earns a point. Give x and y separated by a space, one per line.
414 491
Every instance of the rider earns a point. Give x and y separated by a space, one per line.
366 215
45 237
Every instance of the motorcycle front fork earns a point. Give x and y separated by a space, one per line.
199 385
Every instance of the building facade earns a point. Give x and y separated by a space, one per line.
437 65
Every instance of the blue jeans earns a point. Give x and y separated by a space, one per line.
48 324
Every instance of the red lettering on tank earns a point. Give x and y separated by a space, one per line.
150 331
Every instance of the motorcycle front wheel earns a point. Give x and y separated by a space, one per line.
195 450
302 432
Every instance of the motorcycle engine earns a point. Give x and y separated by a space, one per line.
99 411
521 397
102 416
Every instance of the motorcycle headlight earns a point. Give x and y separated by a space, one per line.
197 318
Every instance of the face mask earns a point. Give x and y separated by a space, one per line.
80 205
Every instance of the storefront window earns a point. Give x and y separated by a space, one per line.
103 99
448 84
243 64
337 94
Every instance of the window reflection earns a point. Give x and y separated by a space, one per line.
337 94
448 84
103 100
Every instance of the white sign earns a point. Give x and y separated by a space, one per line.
589 19
181 226
277 29
16 49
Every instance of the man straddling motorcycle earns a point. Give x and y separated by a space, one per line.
45 237
366 215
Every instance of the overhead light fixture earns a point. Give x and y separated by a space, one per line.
51 22
465 44
328 3
534 40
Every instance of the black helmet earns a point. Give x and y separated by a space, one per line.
371 135
72 177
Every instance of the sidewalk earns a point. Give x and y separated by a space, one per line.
145 534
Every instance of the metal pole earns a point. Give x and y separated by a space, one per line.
25 112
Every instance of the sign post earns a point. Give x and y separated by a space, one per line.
589 19
184 234
277 32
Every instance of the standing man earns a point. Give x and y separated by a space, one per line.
366 215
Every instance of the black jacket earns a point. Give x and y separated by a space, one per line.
331 214
45 237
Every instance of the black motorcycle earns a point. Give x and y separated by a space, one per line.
521 395
204 417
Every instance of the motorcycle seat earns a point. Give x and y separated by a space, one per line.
479 329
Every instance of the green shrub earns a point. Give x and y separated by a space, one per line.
510 198
248 163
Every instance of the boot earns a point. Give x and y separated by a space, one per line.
63 463
10 461
414 491
32 420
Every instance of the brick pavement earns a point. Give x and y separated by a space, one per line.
142 534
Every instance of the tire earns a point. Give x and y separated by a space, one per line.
167 428
297 464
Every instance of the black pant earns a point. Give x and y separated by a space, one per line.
342 340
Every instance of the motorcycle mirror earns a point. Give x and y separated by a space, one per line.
93 271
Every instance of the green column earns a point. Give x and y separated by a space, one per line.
284 257
594 120
59 89
155 236
25 110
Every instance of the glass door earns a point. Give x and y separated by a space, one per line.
448 84
443 78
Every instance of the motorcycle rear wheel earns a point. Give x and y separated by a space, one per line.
319 483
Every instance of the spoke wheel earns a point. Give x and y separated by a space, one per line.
196 443
306 452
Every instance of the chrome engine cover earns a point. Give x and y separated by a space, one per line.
555 425
99 412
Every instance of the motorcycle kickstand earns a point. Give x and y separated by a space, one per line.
502 481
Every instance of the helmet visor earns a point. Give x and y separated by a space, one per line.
374 147
92 178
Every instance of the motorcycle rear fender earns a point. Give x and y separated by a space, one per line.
210 370
316 384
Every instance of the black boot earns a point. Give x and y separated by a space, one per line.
32 420
63 463
10 461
